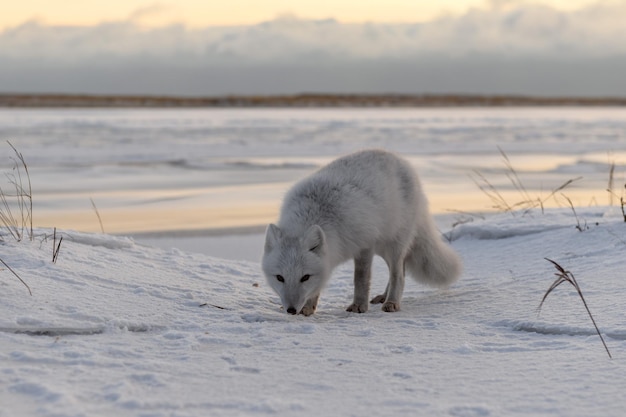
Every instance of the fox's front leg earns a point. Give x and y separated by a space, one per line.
362 279
310 306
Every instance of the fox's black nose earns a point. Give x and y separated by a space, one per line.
291 310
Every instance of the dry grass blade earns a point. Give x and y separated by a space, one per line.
213 305
56 248
93 204
566 276
513 177
622 202
7 218
578 225
561 187
611 182
490 191
16 275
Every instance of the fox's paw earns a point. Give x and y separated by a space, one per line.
379 299
357 308
310 306
391 307
308 310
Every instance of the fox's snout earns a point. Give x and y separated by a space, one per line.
292 303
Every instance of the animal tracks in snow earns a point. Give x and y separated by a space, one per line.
75 331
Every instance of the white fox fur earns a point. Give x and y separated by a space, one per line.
364 204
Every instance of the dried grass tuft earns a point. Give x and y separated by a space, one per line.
16 207
527 202
566 276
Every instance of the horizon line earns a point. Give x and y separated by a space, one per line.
305 99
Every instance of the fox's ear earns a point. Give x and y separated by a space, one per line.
272 236
315 240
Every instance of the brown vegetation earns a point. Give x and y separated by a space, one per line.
302 100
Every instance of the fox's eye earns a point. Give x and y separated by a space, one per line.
305 278
280 278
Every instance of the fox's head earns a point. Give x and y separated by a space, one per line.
295 267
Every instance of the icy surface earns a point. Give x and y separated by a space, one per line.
175 169
118 328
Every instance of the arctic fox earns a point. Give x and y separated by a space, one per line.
364 204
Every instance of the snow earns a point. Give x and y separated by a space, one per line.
116 327
171 315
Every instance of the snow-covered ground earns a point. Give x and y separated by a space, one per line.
118 328
178 320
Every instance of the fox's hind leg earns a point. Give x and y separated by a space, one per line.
362 279
395 288
394 256
379 299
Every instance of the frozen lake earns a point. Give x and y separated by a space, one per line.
198 169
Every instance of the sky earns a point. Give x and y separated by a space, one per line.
200 13
195 47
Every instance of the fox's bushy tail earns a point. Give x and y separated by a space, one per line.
430 260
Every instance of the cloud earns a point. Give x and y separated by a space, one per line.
525 48
155 14
498 4
148 11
